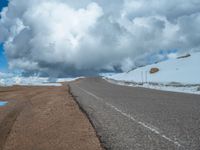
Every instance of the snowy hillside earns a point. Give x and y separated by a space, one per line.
182 71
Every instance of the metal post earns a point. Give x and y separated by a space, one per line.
142 76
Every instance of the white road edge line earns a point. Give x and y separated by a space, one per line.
154 130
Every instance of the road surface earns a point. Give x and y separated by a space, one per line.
130 118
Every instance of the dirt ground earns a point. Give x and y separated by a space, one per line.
43 118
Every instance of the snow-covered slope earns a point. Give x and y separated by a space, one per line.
184 71
8 79
178 75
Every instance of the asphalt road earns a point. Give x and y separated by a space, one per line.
128 118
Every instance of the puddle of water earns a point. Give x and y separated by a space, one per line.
3 103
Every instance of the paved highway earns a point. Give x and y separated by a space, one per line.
130 118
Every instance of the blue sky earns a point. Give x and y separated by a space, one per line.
3 61
3 3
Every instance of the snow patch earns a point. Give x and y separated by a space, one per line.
190 89
10 80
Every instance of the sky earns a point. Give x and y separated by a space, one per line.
3 61
3 3
80 37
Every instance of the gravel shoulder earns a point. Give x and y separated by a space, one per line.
43 118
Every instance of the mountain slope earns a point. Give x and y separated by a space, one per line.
183 70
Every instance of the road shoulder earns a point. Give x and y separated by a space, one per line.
44 118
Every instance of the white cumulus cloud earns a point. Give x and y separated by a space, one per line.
61 37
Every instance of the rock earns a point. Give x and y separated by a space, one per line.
154 70
184 56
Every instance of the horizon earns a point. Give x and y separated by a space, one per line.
99 74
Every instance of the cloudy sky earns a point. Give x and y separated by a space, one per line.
3 61
62 37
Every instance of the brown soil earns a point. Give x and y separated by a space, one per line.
43 118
